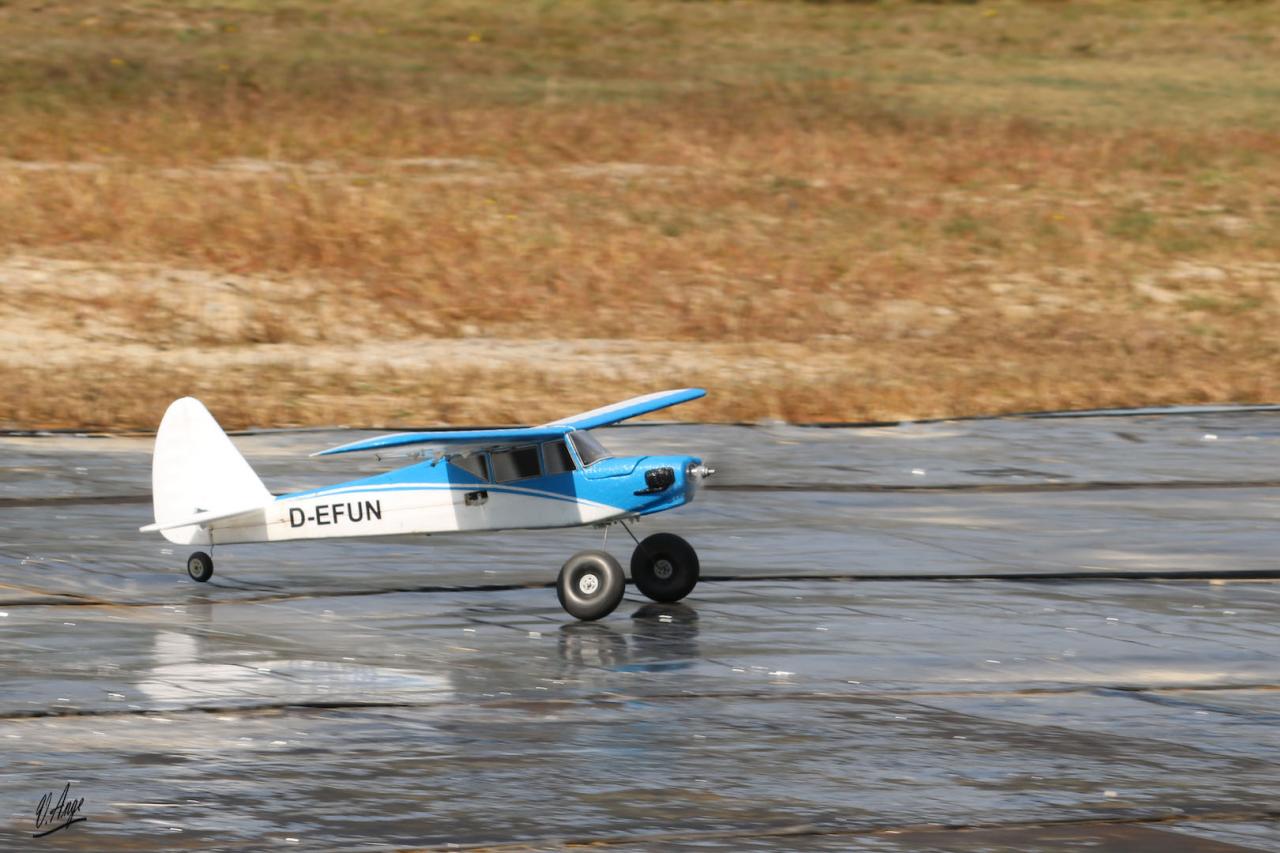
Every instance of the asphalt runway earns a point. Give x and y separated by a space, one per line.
1014 634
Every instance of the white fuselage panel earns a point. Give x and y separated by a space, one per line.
397 511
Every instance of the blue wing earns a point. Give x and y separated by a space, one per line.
474 437
494 437
628 408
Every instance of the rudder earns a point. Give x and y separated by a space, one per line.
197 469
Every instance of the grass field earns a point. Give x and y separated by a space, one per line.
393 212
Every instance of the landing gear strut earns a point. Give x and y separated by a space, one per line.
200 566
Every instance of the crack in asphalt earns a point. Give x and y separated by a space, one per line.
996 488
611 699
73 500
985 488
842 827
71 599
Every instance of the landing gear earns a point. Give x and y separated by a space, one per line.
664 567
590 585
200 566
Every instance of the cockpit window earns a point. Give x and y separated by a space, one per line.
515 464
589 450
556 458
473 463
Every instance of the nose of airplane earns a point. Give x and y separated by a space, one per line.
696 471
684 473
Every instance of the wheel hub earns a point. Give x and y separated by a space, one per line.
588 584
663 570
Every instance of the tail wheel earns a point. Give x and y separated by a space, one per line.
200 566
590 585
664 567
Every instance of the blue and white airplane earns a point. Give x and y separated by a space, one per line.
554 475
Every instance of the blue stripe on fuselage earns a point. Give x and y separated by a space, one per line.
426 476
624 492
336 491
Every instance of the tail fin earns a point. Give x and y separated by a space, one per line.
196 469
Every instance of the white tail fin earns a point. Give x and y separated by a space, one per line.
197 470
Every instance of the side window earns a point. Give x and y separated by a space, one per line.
556 458
515 464
476 464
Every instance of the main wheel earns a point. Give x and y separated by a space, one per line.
590 585
664 567
200 566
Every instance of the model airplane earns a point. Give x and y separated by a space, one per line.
554 475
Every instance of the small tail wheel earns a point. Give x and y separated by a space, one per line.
200 566
590 585
664 567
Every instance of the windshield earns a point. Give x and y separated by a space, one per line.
589 450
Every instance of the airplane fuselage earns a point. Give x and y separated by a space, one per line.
444 497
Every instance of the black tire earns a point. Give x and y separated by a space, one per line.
200 566
590 585
664 567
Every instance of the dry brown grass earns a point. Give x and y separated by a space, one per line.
820 212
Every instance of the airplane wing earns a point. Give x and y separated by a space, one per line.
641 405
491 437
474 437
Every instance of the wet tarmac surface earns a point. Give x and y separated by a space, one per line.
985 635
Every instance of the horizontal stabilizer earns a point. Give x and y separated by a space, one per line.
474 437
204 519
634 407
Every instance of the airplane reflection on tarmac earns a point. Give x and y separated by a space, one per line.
664 637
185 671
